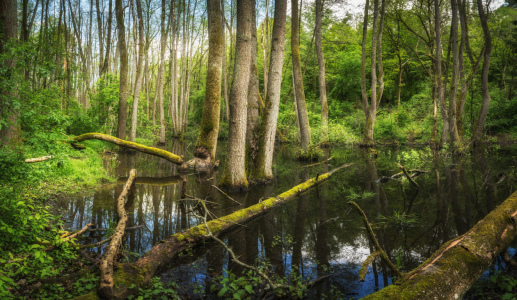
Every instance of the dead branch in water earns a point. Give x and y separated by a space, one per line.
106 263
131 276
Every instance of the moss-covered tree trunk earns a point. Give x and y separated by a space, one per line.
270 115
123 90
206 144
131 276
161 71
372 111
305 132
364 94
138 147
453 126
451 271
234 174
8 34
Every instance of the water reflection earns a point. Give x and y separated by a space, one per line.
317 234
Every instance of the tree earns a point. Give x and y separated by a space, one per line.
9 129
376 59
234 174
122 102
478 131
270 114
139 72
206 144
303 119
321 74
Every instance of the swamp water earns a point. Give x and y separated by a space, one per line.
317 233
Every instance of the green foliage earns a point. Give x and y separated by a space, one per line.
104 103
157 290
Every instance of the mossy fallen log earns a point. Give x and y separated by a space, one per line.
459 263
149 150
106 263
130 276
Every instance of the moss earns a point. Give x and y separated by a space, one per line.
92 295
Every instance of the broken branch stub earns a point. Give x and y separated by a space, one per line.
138 147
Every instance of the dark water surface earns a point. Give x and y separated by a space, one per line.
317 233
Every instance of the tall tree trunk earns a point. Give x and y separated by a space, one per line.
161 71
8 34
305 134
364 94
139 72
122 102
372 112
253 99
480 124
453 126
206 144
105 64
321 75
225 79
264 37
270 114
234 175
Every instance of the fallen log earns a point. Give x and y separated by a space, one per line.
155 181
149 150
408 176
38 159
460 262
130 276
106 263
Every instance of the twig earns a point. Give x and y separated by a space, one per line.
408 176
226 195
375 242
272 285
128 228
96 244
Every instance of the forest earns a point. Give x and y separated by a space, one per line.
257 149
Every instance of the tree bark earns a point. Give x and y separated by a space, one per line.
451 271
480 124
364 94
8 36
131 276
207 138
149 150
268 126
252 124
453 125
372 112
106 263
123 90
305 134
321 75
234 175
139 72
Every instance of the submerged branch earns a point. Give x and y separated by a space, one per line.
375 242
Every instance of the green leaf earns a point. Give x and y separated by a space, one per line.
236 296
300 294
249 289
222 292
507 296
